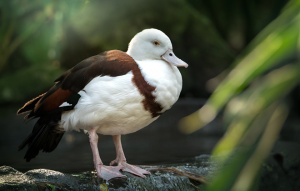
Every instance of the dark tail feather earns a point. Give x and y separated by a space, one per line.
45 136
29 106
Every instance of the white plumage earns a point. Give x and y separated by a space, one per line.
166 78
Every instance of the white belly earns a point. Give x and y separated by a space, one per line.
112 105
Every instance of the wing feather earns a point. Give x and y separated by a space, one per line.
112 63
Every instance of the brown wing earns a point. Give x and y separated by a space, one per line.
112 63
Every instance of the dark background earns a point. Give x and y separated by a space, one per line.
41 39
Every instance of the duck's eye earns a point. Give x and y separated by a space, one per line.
155 43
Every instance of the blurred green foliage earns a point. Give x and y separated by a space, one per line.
30 33
40 39
254 94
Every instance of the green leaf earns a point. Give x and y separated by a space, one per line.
238 171
243 109
277 42
103 187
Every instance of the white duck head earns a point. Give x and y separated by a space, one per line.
153 44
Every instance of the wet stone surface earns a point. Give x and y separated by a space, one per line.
43 179
11 179
279 172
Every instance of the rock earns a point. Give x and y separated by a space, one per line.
11 179
45 178
184 176
282 168
279 172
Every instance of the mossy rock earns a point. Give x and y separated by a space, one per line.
163 177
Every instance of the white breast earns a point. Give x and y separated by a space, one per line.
166 78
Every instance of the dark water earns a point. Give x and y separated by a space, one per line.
160 142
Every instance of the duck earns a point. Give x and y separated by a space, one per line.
112 93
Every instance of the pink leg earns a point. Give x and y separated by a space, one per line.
121 160
105 172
